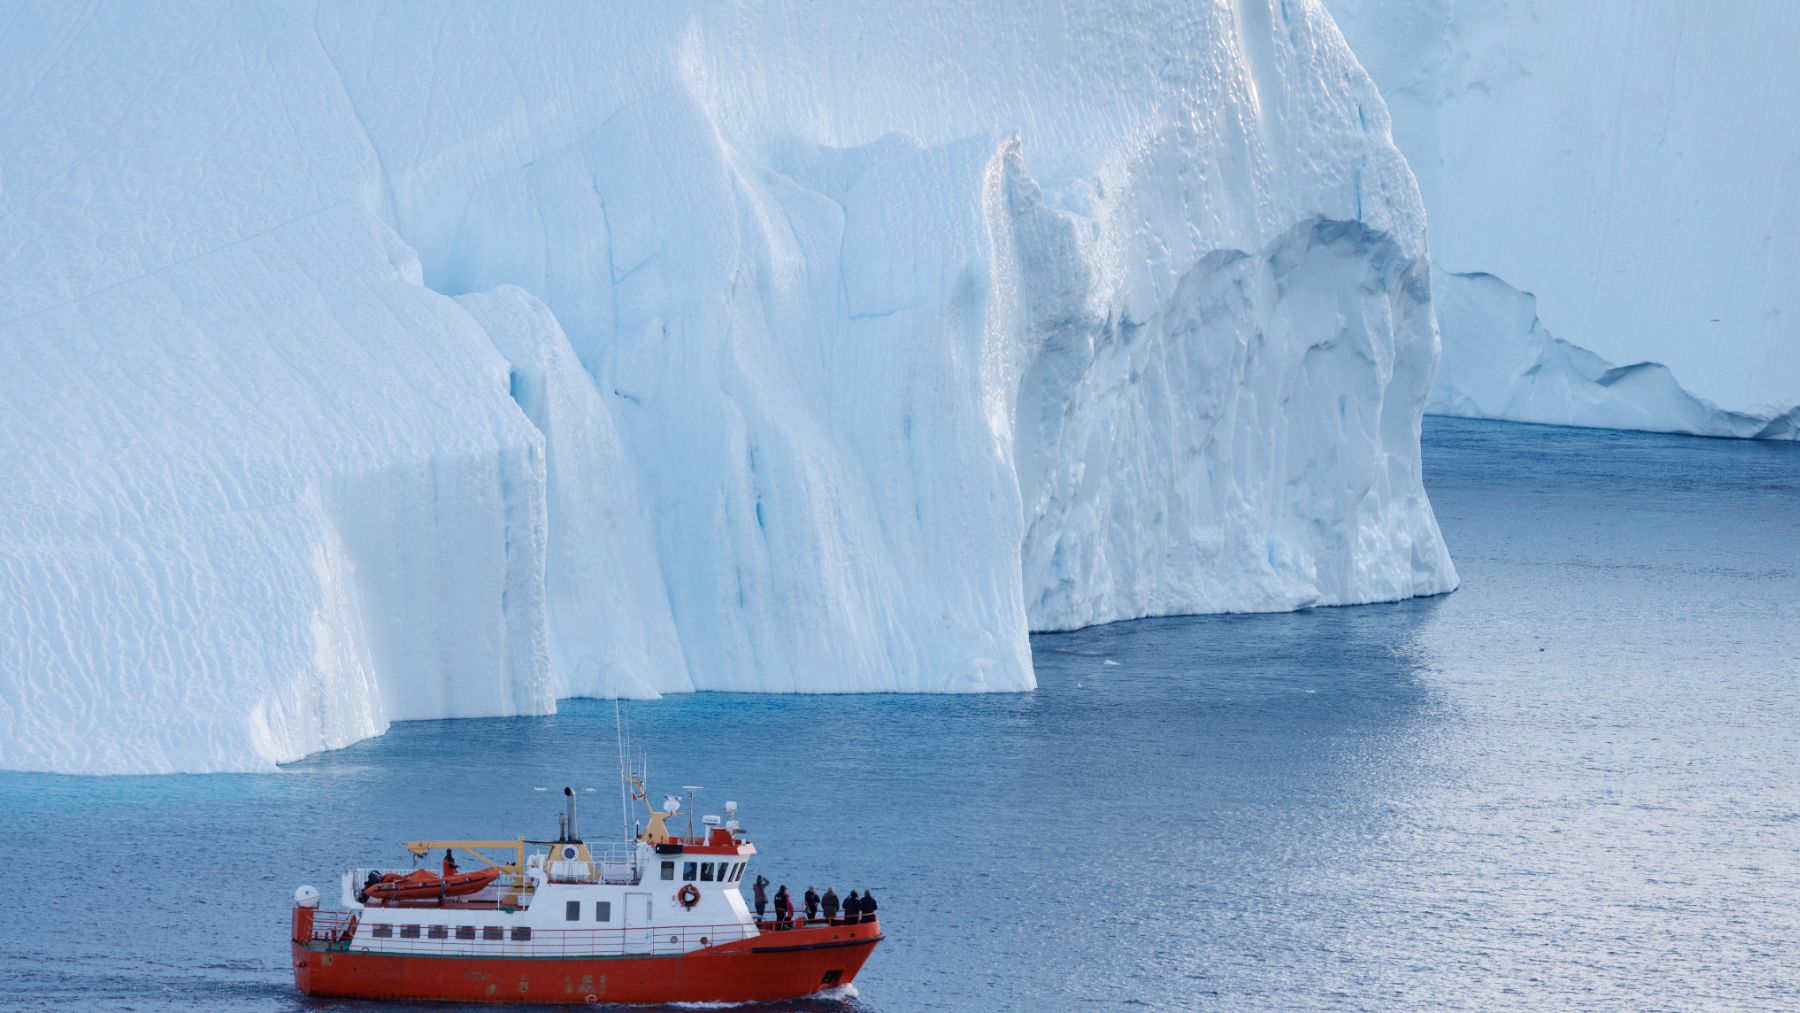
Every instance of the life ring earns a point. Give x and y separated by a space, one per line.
688 896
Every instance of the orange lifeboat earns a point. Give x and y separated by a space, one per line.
426 885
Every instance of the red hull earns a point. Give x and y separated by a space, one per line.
771 967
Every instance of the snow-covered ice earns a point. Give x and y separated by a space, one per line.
447 361
1614 200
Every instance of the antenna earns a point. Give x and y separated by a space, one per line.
624 774
692 790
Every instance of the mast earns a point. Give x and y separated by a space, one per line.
624 775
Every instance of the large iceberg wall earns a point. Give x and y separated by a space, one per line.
1614 198
450 361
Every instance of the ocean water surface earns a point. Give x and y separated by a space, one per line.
1573 782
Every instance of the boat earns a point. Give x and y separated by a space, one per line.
655 918
424 884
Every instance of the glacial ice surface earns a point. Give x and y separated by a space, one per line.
1508 366
1632 171
447 361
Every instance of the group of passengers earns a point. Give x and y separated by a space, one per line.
856 907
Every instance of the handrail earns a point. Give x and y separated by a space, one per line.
616 866
332 928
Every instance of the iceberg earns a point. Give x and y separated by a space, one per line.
1620 176
1511 367
439 362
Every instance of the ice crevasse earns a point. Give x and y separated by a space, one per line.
451 361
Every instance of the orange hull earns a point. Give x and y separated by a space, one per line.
771 967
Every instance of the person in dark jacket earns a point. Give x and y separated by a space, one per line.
761 889
784 908
868 906
830 903
812 903
852 909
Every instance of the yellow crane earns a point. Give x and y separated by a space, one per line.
517 866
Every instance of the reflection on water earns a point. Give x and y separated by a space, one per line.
1571 781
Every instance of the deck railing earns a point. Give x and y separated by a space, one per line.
341 930
616 865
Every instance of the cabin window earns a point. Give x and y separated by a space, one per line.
706 872
687 871
492 932
603 910
383 932
572 910
521 934
737 872
465 932
668 870
409 932
438 932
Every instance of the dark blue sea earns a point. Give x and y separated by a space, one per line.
1575 782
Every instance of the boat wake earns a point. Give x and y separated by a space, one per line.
826 998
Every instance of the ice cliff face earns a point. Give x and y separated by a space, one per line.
448 362
1614 198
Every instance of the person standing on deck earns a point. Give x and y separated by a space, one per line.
831 905
449 864
784 908
761 889
852 909
868 906
812 903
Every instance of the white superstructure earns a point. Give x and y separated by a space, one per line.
659 894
